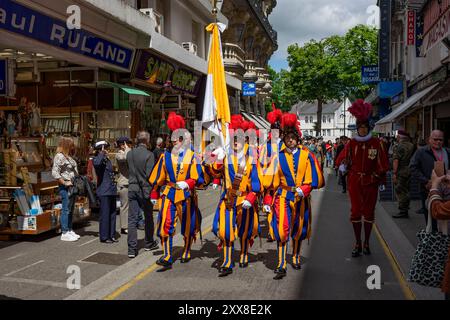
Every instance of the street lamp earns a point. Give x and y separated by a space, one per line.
217 6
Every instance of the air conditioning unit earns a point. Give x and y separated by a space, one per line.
157 17
189 46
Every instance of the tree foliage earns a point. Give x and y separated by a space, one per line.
325 70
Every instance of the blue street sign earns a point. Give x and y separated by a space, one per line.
3 78
370 74
248 89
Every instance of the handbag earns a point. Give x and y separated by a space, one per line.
429 260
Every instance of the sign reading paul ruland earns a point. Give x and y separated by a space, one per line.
35 25
155 70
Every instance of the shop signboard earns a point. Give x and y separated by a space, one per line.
411 27
370 74
3 78
248 89
32 24
439 31
151 69
385 38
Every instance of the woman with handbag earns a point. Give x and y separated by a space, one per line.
64 170
439 205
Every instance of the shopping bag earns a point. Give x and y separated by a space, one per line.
430 258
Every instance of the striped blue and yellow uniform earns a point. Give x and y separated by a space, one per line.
175 203
228 223
292 213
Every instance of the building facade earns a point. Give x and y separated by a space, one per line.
336 120
419 59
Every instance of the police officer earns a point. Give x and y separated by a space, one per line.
106 192
401 175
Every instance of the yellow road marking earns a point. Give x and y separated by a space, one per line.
141 276
407 291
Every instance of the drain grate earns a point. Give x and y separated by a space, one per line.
112 259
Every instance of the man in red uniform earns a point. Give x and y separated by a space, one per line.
367 164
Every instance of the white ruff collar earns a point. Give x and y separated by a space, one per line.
363 139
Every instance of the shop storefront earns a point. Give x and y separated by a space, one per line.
58 81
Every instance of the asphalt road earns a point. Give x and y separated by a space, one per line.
36 268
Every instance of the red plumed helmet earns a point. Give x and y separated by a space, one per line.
361 110
289 122
175 121
236 121
251 125
245 125
274 116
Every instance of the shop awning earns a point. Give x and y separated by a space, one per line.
258 120
127 89
409 103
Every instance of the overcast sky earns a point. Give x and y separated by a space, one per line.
298 21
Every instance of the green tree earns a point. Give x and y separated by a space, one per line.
281 95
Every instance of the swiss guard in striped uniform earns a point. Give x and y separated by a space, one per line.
296 174
268 159
174 179
236 214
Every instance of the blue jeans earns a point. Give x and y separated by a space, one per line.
68 203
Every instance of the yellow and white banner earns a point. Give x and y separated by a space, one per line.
216 108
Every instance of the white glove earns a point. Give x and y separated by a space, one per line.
382 188
266 208
215 186
300 192
220 153
154 201
246 204
182 185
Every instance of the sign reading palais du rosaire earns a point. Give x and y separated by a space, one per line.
370 74
35 25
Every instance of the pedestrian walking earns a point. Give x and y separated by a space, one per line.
106 192
341 168
173 180
64 170
439 204
297 173
367 164
159 149
237 213
423 162
401 175
123 144
140 165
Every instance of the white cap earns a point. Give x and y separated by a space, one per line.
100 144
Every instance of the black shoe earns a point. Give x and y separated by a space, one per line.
114 240
166 265
124 231
185 260
357 250
223 272
106 241
296 266
401 215
243 265
366 250
132 255
280 273
152 246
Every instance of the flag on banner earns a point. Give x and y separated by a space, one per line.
216 109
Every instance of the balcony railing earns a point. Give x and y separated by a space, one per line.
250 74
233 58
258 9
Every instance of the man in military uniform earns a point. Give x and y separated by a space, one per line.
401 174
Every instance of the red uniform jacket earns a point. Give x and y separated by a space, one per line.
366 161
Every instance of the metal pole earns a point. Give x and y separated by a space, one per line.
70 100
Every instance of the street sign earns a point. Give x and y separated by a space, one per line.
3 78
384 43
248 89
370 74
